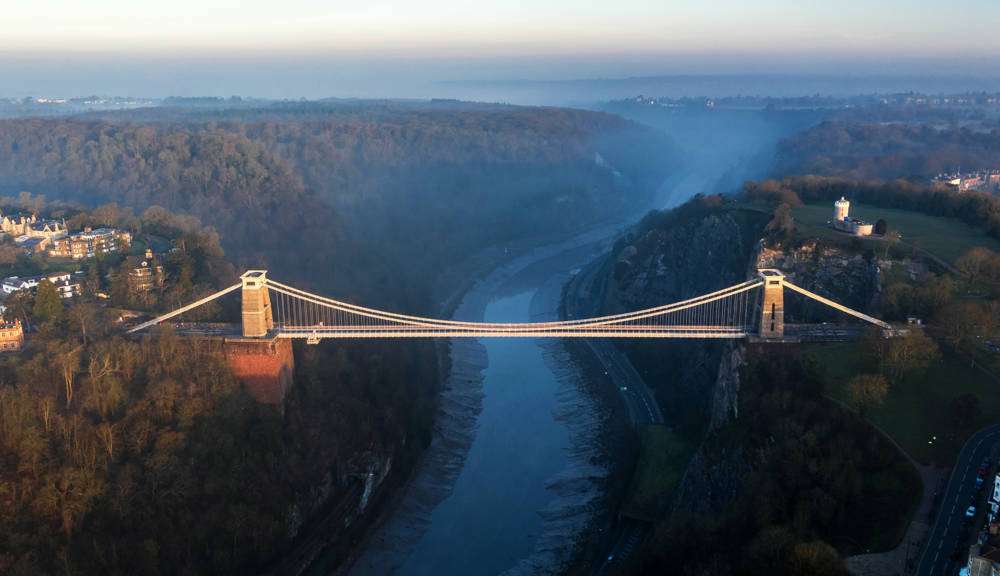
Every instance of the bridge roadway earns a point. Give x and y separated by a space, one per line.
512 332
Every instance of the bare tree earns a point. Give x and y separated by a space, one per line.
911 353
867 390
69 362
974 262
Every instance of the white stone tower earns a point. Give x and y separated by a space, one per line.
841 208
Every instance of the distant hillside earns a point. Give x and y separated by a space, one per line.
322 188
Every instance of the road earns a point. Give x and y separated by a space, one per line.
582 298
949 526
580 302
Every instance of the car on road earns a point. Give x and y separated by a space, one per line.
970 512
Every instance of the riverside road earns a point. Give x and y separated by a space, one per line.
949 527
581 299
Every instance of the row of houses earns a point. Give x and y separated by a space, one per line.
144 274
985 180
63 281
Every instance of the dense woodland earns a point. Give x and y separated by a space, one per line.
129 457
882 151
126 456
320 191
800 479
822 481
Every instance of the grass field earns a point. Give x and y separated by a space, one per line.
662 460
916 412
947 238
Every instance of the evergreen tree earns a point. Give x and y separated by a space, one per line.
48 304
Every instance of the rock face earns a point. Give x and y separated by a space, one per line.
713 480
664 265
852 279
726 393
679 259
716 473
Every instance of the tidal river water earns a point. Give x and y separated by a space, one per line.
509 480
512 476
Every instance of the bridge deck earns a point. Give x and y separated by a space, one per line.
421 332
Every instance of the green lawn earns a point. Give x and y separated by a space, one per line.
947 238
917 408
663 458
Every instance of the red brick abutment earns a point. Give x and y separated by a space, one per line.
263 365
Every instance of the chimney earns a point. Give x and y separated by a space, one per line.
149 253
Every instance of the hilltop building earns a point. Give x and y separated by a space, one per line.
50 229
11 336
31 245
842 220
89 243
17 225
32 234
144 273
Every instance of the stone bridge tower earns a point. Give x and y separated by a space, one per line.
257 318
772 313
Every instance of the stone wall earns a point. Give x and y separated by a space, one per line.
263 366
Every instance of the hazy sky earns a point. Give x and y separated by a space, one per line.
155 46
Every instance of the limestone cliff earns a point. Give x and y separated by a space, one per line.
849 277
716 473
672 257
679 261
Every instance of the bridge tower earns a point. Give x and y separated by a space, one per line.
772 313
257 318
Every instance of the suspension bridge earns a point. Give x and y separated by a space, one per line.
755 308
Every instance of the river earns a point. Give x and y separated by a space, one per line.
510 478
509 481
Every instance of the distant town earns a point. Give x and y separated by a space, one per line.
984 180
910 99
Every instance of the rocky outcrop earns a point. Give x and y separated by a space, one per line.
666 264
677 258
718 471
725 394
851 278
713 478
